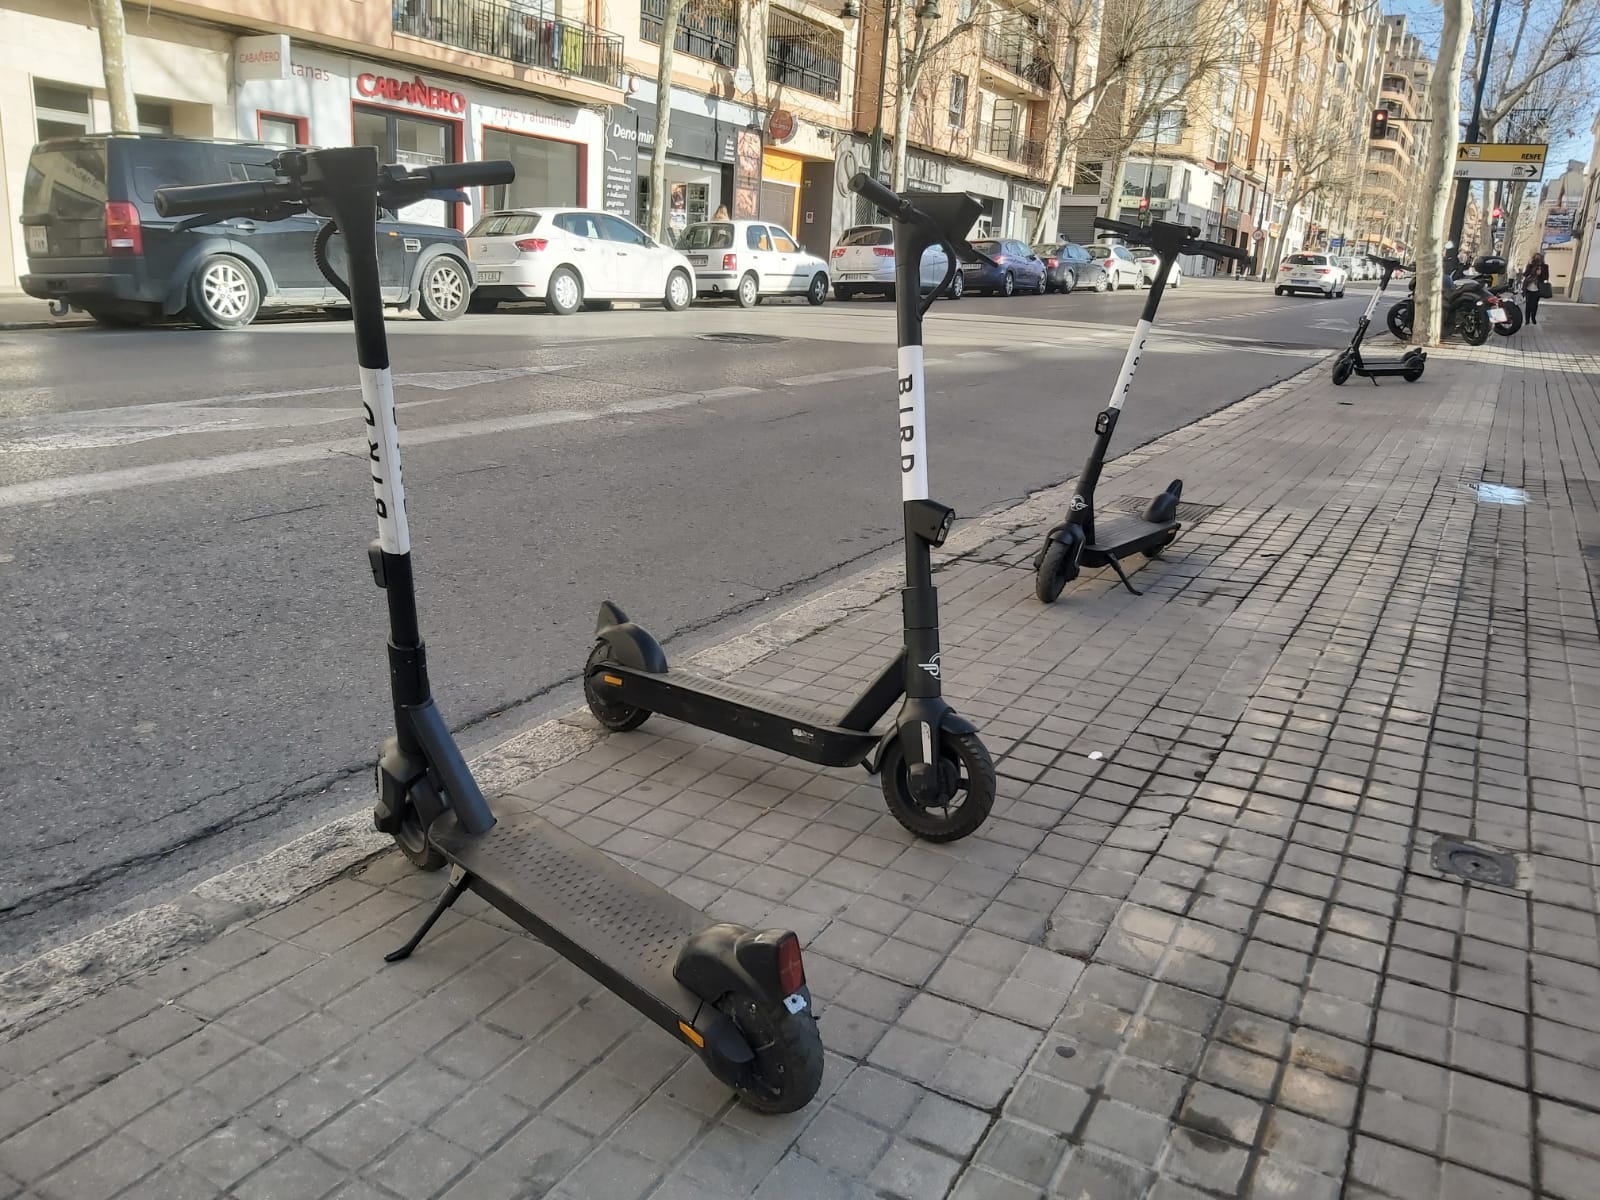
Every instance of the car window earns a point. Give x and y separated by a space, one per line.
989 248
755 237
868 237
68 180
505 225
615 229
581 224
1122 252
1307 260
706 236
784 243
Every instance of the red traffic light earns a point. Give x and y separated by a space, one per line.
1144 203
1498 214
1380 123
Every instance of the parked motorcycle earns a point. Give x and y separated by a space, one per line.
1471 309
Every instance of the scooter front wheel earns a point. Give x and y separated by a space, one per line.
615 716
787 1068
1054 572
966 788
1341 370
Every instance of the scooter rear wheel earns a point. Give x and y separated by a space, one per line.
1054 572
787 1069
1341 370
966 784
413 842
619 718
1412 375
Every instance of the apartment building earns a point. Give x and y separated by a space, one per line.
1390 193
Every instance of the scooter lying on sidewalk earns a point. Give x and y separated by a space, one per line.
1408 366
1080 541
737 997
935 773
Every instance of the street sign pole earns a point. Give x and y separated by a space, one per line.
1458 216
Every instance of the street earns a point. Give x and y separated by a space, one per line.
194 639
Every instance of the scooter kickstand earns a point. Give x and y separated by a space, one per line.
1116 565
458 884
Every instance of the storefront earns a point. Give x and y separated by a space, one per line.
52 85
1027 202
325 99
713 158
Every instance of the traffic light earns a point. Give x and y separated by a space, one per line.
1380 124
1144 203
1498 214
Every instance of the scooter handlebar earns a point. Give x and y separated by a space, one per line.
885 198
241 199
1126 228
224 199
450 176
1214 250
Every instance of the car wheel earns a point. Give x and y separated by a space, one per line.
749 293
843 292
679 292
445 290
958 286
1277 291
818 291
1068 282
1008 285
223 293
564 293
1039 288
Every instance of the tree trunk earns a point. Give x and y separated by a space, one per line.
1050 214
660 200
114 60
1444 99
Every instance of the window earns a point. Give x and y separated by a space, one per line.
707 237
958 101
504 225
708 30
549 173
152 117
578 224
868 235
783 242
803 54
1088 176
60 111
1219 146
277 130
615 229
755 238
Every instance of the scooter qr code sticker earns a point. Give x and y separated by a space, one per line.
796 1004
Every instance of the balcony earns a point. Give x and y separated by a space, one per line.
1010 145
523 35
804 55
706 31
1017 53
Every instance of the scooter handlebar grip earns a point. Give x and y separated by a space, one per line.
885 198
1214 250
470 174
1126 228
222 199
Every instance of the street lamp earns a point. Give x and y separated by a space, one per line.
928 10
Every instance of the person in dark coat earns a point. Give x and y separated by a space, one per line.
1535 286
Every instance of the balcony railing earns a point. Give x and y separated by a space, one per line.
520 33
705 31
1010 144
1017 53
803 54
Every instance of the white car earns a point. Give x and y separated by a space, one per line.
1149 264
751 259
863 261
571 257
1310 273
1122 269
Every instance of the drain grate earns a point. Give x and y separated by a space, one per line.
1476 864
743 339
1187 512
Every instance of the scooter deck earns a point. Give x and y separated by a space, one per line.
1122 534
617 926
759 718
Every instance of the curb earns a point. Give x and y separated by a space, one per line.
141 941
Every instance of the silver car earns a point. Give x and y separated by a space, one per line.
1121 267
751 259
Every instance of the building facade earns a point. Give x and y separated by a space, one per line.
1390 196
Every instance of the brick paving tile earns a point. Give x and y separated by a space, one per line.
1215 959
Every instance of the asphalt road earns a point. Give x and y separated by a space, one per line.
193 642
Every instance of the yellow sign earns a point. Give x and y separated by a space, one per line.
1501 152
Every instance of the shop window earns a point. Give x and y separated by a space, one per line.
548 172
691 203
60 111
803 54
153 117
278 130
709 30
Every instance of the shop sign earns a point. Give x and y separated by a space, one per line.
265 57
780 125
414 92
519 120
622 162
1027 196
926 172
689 135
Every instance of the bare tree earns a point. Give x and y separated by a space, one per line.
1444 100
1324 162
114 60
660 200
917 43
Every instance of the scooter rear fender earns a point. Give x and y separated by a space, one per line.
627 644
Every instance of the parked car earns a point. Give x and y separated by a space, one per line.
1068 266
1119 263
1149 264
571 258
1310 273
863 261
751 259
1011 267
95 240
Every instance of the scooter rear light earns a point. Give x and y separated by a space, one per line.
730 262
883 251
532 245
124 234
791 971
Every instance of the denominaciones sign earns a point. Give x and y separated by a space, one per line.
1500 160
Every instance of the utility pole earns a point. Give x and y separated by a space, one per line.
1458 215
114 60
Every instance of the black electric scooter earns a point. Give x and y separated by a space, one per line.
936 775
1081 540
736 996
1408 366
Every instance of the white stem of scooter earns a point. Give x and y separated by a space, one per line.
912 403
383 457
1372 303
1130 364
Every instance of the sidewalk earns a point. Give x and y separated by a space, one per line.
1202 947
18 311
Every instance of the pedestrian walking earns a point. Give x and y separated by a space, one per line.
721 214
1535 286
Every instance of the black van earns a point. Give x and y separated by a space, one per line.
95 240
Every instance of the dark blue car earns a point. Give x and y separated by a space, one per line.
1013 268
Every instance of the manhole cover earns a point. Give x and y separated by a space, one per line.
1186 511
743 339
1477 864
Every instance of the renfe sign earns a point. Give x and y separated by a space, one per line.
414 93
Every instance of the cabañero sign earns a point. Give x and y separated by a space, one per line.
415 92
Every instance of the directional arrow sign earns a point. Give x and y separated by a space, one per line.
1500 160
1524 172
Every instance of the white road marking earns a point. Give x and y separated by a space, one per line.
834 376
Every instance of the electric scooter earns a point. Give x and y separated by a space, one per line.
1081 540
736 996
936 775
1409 366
